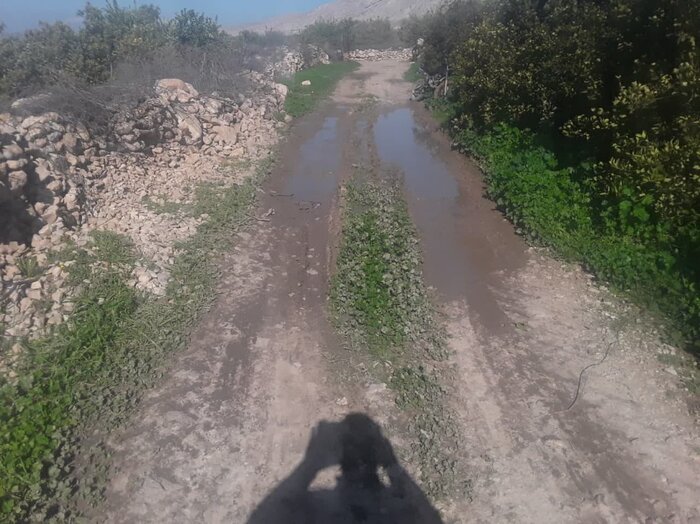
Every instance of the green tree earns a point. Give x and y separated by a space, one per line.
190 28
37 58
114 34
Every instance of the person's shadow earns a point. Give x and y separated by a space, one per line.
360 496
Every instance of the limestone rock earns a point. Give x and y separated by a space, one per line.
190 127
179 88
17 181
226 134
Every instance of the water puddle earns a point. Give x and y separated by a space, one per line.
314 177
466 244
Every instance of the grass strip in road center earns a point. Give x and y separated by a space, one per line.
381 306
303 99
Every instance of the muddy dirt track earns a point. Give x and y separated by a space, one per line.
234 415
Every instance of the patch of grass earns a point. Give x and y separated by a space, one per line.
443 111
377 293
76 386
380 304
161 206
29 267
413 73
112 248
304 99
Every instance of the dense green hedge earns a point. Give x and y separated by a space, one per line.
587 115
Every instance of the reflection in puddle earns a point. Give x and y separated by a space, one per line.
425 176
314 178
463 240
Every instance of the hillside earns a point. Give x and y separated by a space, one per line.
394 10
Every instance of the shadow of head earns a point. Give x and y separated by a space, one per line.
362 494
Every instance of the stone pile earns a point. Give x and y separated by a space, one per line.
58 183
178 114
374 55
294 61
42 168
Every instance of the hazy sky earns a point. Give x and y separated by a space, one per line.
18 15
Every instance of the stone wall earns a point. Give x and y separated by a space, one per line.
58 183
374 55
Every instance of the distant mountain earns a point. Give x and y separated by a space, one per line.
394 10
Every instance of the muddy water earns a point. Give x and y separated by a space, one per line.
314 175
467 246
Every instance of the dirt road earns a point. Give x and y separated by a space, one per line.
234 415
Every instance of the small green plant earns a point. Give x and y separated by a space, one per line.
113 248
303 99
29 267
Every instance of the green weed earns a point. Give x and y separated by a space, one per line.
549 206
113 248
29 267
304 99
380 303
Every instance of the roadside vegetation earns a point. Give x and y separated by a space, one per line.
323 78
117 49
380 304
67 392
586 119
413 74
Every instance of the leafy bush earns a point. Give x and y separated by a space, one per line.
109 37
611 88
549 206
442 31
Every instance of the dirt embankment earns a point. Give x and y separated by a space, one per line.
233 418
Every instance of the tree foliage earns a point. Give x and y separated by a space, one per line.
190 28
613 89
109 36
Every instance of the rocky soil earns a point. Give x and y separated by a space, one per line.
59 182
